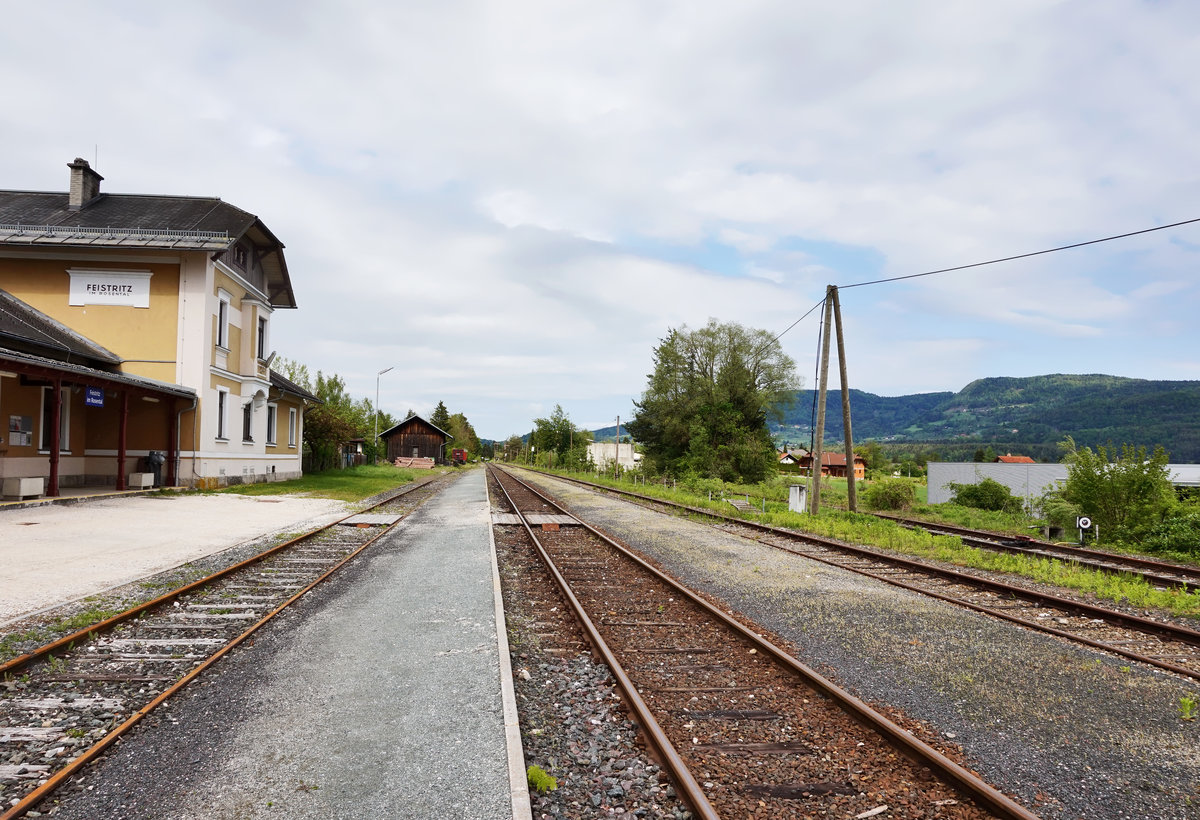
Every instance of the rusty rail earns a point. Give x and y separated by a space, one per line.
987 796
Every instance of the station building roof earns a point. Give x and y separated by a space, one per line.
101 220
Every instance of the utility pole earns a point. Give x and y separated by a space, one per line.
819 435
833 316
851 490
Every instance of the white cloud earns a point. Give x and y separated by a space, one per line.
514 202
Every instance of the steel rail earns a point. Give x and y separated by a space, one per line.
1137 622
987 796
1081 555
33 798
64 643
92 752
686 785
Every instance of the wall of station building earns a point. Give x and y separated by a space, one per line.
88 453
146 336
174 340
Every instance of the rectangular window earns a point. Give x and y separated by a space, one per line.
247 420
291 427
223 322
64 420
262 337
271 411
222 414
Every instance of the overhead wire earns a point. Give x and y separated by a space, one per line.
1019 256
1012 258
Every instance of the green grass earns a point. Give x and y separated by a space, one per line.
860 528
352 484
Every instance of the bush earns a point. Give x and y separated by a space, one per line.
890 495
988 494
1177 535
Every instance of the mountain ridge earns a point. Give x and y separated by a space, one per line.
1011 413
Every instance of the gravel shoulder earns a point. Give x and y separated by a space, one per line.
1072 732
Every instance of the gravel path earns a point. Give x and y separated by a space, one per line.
1071 732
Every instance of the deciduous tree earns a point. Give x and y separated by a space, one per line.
706 405
1125 495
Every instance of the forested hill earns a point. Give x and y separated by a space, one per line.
1027 415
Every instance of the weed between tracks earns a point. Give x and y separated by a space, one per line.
858 528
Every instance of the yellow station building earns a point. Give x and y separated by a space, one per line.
135 331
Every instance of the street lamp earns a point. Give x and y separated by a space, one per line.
377 375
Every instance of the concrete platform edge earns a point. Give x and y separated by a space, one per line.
522 808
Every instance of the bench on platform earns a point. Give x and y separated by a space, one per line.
24 487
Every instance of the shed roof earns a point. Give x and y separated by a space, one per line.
396 427
24 327
286 385
1011 459
28 362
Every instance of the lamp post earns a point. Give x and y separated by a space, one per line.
377 375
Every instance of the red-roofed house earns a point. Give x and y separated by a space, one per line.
834 465
1011 459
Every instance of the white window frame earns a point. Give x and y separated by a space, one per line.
293 428
64 421
272 425
222 414
224 302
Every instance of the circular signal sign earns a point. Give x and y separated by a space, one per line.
1084 522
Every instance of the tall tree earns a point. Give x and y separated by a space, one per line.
440 417
462 433
706 405
560 436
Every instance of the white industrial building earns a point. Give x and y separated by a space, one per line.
1028 482
603 453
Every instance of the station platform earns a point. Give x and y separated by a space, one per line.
74 495
386 693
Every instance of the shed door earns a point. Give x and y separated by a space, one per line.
416 452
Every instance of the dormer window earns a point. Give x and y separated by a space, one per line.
240 256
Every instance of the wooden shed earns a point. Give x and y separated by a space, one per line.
415 438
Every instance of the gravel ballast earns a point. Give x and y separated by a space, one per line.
1072 732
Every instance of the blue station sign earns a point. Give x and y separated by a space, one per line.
94 396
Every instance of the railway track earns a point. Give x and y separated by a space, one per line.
744 729
64 703
1159 573
1160 643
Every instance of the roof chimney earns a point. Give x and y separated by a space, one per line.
85 184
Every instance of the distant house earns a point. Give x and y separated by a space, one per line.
415 438
834 465
352 453
787 458
1011 459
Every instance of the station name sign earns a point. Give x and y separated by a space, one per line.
91 287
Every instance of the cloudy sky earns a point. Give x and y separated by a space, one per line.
511 202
